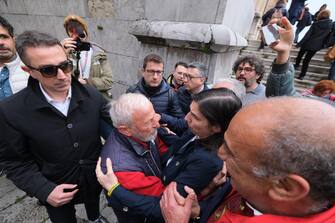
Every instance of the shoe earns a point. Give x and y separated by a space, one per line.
300 77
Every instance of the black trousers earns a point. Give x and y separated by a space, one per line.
305 63
67 213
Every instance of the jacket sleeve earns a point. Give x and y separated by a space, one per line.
174 107
141 184
17 161
102 72
177 125
147 206
306 37
202 163
280 81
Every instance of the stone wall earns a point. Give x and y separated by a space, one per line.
110 23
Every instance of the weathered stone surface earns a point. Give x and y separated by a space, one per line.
202 11
55 7
238 15
129 9
101 8
187 35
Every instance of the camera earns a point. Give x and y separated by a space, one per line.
77 31
82 46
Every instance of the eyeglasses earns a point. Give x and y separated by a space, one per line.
245 69
153 72
189 77
49 71
181 73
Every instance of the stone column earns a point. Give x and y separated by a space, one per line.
212 32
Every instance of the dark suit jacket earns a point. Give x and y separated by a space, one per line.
41 148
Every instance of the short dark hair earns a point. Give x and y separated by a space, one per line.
253 61
152 58
218 106
201 68
5 24
33 39
181 63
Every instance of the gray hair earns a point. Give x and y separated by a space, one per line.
292 148
235 85
122 109
201 68
33 39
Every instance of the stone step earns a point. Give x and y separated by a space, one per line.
318 69
272 55
294 52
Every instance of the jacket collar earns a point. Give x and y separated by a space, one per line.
37 100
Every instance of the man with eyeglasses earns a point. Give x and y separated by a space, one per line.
250 70
12 77
194 82
155 88
176 79
49 137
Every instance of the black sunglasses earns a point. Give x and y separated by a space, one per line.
52 70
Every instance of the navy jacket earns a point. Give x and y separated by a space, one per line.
41 148
164 101
191 165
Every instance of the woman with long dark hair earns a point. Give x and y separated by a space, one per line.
209 117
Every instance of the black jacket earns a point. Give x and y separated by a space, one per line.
305 21
164 101
185 98
316 37
41 148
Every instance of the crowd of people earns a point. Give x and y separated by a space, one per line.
174 150
320 35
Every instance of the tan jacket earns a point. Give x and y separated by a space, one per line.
100 72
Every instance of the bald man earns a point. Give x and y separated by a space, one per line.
279 171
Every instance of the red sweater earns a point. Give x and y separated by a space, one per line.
140 183
224 215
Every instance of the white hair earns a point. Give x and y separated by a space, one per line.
236 86
122 109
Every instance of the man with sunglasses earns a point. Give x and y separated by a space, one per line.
154 87
49 137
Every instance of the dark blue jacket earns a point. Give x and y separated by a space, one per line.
164 101
295 9
191 165
185 99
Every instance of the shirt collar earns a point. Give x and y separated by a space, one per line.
256 212
50 99
257 90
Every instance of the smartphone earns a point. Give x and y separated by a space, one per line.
270 33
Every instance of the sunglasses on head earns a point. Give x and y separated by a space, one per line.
52 70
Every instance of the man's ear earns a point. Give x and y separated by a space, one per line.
289 188
125 130
29 71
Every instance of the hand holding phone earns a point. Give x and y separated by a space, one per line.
270 33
